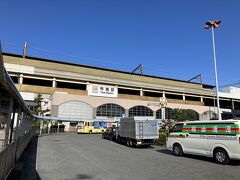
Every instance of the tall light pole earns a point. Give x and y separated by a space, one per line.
214 24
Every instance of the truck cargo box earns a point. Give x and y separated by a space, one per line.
138 128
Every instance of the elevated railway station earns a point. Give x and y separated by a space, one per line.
77 91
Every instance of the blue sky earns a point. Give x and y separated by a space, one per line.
167 36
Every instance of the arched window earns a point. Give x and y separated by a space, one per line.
140 111
159 114
110 110
192 115
76 110
168 113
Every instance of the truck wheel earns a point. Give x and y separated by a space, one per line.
221 156
131 143
128 143
177 150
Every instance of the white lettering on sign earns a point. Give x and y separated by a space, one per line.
193 128
203 129
215 129
102 90
228 129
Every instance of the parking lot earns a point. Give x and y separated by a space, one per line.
79 156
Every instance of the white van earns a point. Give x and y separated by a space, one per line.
217 139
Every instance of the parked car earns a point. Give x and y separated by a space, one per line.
110 133
219 139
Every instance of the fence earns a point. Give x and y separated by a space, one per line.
15 123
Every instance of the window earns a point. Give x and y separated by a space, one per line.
71 85
37 82
177 128
159 114
168 113
140 111
110 110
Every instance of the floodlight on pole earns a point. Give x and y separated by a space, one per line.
215 24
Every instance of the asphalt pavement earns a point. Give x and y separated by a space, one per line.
79 156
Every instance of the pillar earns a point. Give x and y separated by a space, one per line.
233 106
163 94
163 113
54 83
49 126
20 80
126 112
184 97
155 114
141 92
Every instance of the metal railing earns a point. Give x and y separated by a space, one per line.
15 123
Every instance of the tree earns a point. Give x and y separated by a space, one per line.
184 114
39 109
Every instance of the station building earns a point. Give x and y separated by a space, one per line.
77 91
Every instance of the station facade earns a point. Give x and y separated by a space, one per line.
76 91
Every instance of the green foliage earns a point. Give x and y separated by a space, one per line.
35 124
38 110
184 114
162 137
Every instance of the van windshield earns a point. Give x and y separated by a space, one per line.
177 128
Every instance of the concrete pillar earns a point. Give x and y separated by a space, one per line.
41 127
233 105
126 112
20 79
87 86
141 92
184 97
49 126
202 99
155 114
94 113
58 127
163 94
163 113
54 83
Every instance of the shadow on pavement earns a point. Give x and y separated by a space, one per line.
25 168
202 158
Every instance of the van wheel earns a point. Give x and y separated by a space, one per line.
221 156
177 150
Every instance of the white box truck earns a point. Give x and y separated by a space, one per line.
137 131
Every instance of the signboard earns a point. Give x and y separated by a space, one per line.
102 90
162 102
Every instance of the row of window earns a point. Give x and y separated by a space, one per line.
114 110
